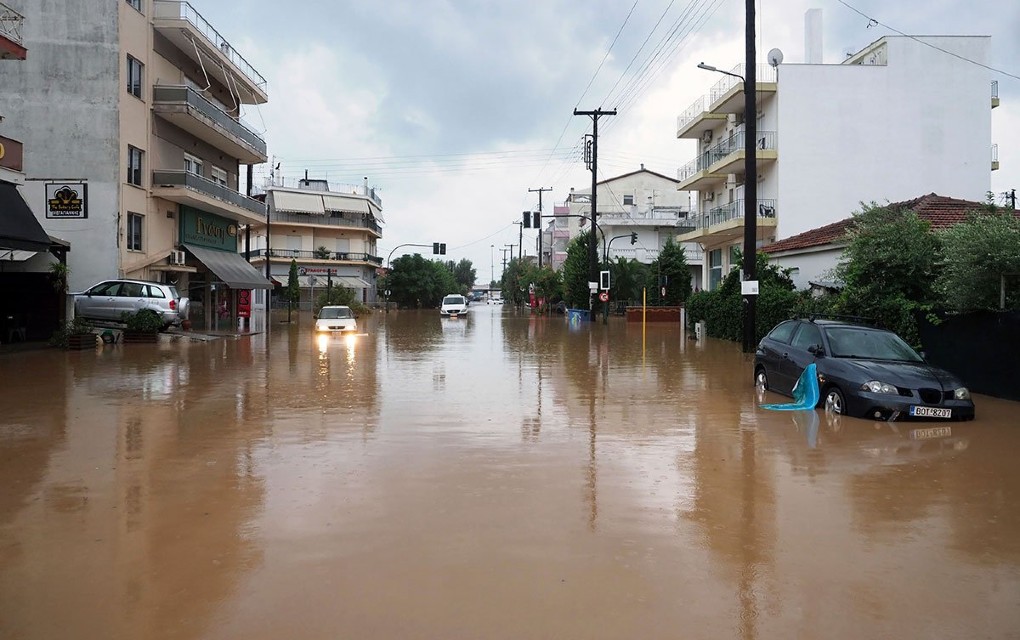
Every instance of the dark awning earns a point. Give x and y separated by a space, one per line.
230 267
18 227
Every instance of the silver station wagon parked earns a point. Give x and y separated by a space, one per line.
106 301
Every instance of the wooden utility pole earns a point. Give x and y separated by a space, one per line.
593 260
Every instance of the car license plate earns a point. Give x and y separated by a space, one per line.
930 412
935 432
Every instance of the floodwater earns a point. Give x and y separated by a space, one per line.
495 476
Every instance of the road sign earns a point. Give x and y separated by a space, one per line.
387 292
749 288
604 296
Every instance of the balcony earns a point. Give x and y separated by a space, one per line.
193 190
727 95
332 256
188 110
726 157
185 27
697 119
12 45
725 223
334 220
650 217
995 93
995 157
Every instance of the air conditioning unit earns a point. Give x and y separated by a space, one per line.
707 136
710 196
177 257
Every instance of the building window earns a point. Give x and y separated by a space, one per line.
135 4
714 269
628 199
134 77
219 176
134 172
134 232
192 164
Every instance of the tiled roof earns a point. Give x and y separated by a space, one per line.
939 211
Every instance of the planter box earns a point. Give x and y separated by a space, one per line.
655 314
140 337
81 341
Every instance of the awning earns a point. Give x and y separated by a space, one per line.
19 228
320 281
230 267
345 204
310 203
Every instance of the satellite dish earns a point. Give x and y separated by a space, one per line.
775 57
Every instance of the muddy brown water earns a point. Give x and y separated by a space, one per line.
495 476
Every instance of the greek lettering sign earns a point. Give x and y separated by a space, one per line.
208 230
67 200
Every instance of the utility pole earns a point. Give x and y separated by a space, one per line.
504 250
593 261
520 241
750 176
539 191
1011 194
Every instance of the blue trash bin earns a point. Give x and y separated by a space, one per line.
577 317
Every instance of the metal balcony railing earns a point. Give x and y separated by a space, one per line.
11 24
995 89
334 220
208 187
734 211
763 73
692 112
184 11
730 144
178 94
297 254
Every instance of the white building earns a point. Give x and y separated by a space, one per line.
331 232
902 116
642 202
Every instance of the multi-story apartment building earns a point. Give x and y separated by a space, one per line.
130 111
330 232
642 202
902 116
556 236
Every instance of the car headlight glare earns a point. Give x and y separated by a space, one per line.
962 394
874 386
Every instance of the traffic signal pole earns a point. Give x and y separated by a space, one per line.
540 240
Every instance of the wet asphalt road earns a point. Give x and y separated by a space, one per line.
495 476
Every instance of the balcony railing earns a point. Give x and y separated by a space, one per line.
995 157
297 254
186 95
184 11
763 73
735 211
731 144
335 220
697 108
11 24
648 215
208 187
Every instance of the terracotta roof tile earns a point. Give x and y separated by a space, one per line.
939 211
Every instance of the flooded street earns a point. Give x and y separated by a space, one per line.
495 476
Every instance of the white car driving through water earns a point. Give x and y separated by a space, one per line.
454 305
335 318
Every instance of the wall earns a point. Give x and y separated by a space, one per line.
852 133
812 266
62 102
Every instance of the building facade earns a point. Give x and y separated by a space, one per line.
900 117
642 202
130 112
331 233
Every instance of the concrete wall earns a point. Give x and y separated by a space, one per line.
921 123
810 266
63 103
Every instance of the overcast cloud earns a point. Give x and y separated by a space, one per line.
454 108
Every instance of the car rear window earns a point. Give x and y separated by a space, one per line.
807 336
783 332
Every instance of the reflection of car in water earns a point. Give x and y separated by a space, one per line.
453 306
335 318
862 371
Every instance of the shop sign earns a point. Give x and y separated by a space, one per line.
208 230
11 154
316 271
244 303
67 200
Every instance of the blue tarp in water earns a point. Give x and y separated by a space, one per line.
805 393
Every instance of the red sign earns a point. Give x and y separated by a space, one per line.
244 303
604 296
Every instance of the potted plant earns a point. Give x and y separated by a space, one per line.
141 326
322 253
75 335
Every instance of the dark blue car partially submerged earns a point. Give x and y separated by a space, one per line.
862 371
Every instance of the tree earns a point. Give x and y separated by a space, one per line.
338 295
976 254
575 273
292 292
520 276
672 264
414 281
628 277
464 274
889 268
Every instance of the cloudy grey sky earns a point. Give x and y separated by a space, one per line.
455 108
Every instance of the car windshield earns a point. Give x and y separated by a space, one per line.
854 342
333 313
453 300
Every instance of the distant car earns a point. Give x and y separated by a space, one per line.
335 318
862 371
454 305
494 301
108 300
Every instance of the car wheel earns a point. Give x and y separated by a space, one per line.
834 401
761 379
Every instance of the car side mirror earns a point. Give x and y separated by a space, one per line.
817 350
924 356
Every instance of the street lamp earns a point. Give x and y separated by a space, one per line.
750 183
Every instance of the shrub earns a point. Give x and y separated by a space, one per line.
143 321
75 327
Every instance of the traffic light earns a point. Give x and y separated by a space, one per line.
442 248
604 280
526 217
537 220
435 248
633 237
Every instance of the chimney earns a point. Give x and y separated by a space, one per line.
813 36
642 166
